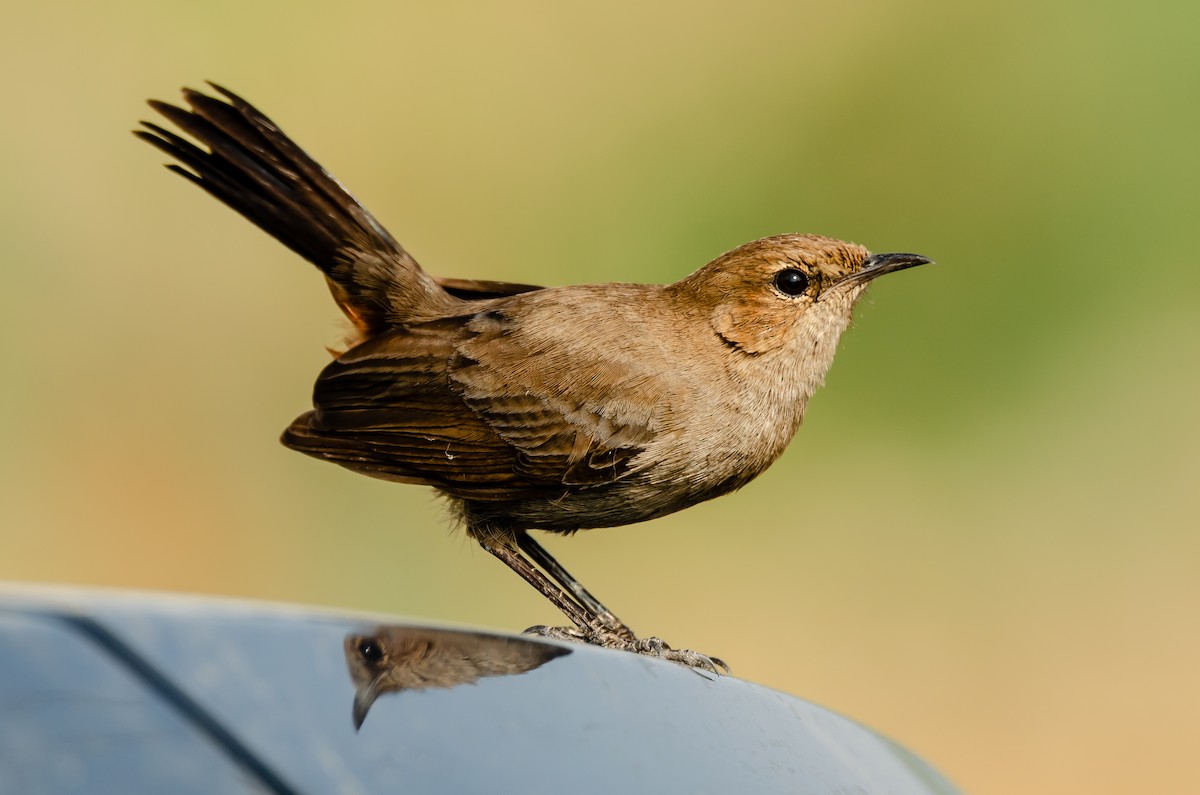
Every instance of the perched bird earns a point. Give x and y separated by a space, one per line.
554 409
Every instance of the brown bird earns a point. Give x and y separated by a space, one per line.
553 409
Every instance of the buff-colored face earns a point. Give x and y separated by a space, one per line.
760 291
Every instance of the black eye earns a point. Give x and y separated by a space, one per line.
369 650
791 281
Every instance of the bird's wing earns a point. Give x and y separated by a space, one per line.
386 408
462 404
575 414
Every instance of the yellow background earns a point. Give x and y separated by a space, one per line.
983 542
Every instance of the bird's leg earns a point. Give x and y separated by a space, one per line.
594 623
515 561
606 618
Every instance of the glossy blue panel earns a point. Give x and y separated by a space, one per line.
139 693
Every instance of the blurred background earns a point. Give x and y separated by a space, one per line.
982 543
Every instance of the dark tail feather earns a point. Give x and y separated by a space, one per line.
260 172
253 167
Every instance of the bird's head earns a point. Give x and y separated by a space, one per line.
787 293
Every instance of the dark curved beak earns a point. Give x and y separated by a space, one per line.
879 264
364 697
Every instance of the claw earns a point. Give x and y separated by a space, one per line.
573 634
656 647
599 634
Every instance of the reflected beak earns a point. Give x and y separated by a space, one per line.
363 699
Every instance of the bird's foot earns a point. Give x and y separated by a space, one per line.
657 647
650 647
571 634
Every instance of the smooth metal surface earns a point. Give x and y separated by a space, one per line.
119 693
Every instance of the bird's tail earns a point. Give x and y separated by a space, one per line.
253 167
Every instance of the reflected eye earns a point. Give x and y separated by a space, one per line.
791 281
369 650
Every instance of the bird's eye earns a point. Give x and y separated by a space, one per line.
369 650
791 281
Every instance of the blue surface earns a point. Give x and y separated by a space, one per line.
140 693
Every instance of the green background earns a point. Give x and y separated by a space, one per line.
983 541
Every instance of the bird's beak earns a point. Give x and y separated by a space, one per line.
879 264
363 699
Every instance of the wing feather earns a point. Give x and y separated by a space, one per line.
464 404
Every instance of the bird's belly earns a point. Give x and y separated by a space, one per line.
645 495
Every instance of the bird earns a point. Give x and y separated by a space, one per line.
532 408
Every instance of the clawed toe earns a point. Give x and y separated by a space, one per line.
599 634
656 647
606 625
573 634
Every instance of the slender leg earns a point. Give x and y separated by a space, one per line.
512 558
599 626
560 575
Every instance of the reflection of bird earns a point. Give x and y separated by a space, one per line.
391 659
539 409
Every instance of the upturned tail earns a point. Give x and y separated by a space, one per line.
253 167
